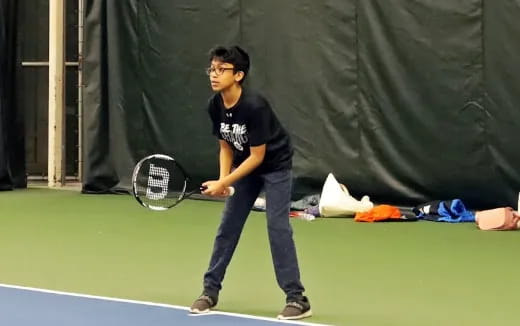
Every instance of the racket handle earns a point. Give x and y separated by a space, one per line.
230 190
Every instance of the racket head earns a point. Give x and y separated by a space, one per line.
159 182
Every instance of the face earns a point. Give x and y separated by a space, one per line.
221 75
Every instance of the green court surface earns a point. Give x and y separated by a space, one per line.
400 274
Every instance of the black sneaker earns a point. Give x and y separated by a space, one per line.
296 309
203 304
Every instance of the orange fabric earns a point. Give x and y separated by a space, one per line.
379 213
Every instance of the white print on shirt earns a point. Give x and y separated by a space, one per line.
235 134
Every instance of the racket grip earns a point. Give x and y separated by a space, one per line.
231 190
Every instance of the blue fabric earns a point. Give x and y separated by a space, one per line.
456 213
451 211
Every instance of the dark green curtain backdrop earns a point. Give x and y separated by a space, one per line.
12 151
406 101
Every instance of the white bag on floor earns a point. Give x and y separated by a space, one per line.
335 200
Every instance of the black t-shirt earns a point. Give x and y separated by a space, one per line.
251 122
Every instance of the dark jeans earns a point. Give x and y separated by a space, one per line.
277 186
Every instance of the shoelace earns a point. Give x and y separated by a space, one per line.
296 305
206 298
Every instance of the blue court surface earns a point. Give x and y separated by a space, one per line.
21 306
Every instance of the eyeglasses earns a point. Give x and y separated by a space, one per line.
219 71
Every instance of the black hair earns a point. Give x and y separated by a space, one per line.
234 55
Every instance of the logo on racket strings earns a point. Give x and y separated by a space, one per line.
158 179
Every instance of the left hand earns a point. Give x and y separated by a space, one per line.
214 188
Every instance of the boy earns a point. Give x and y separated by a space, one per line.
255 154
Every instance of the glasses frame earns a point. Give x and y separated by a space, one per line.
219 71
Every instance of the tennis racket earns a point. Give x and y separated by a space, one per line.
159 182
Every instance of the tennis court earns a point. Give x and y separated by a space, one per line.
418 273
137 135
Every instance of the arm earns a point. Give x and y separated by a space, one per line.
225 159
256 157
252 162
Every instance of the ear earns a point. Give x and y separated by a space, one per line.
239 75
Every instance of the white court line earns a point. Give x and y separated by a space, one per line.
81 295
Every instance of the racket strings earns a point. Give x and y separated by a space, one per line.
159 183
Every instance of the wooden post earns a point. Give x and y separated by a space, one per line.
56 160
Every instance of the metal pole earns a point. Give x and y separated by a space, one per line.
56 158
45 64
80 88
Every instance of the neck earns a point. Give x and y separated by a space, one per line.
231 95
